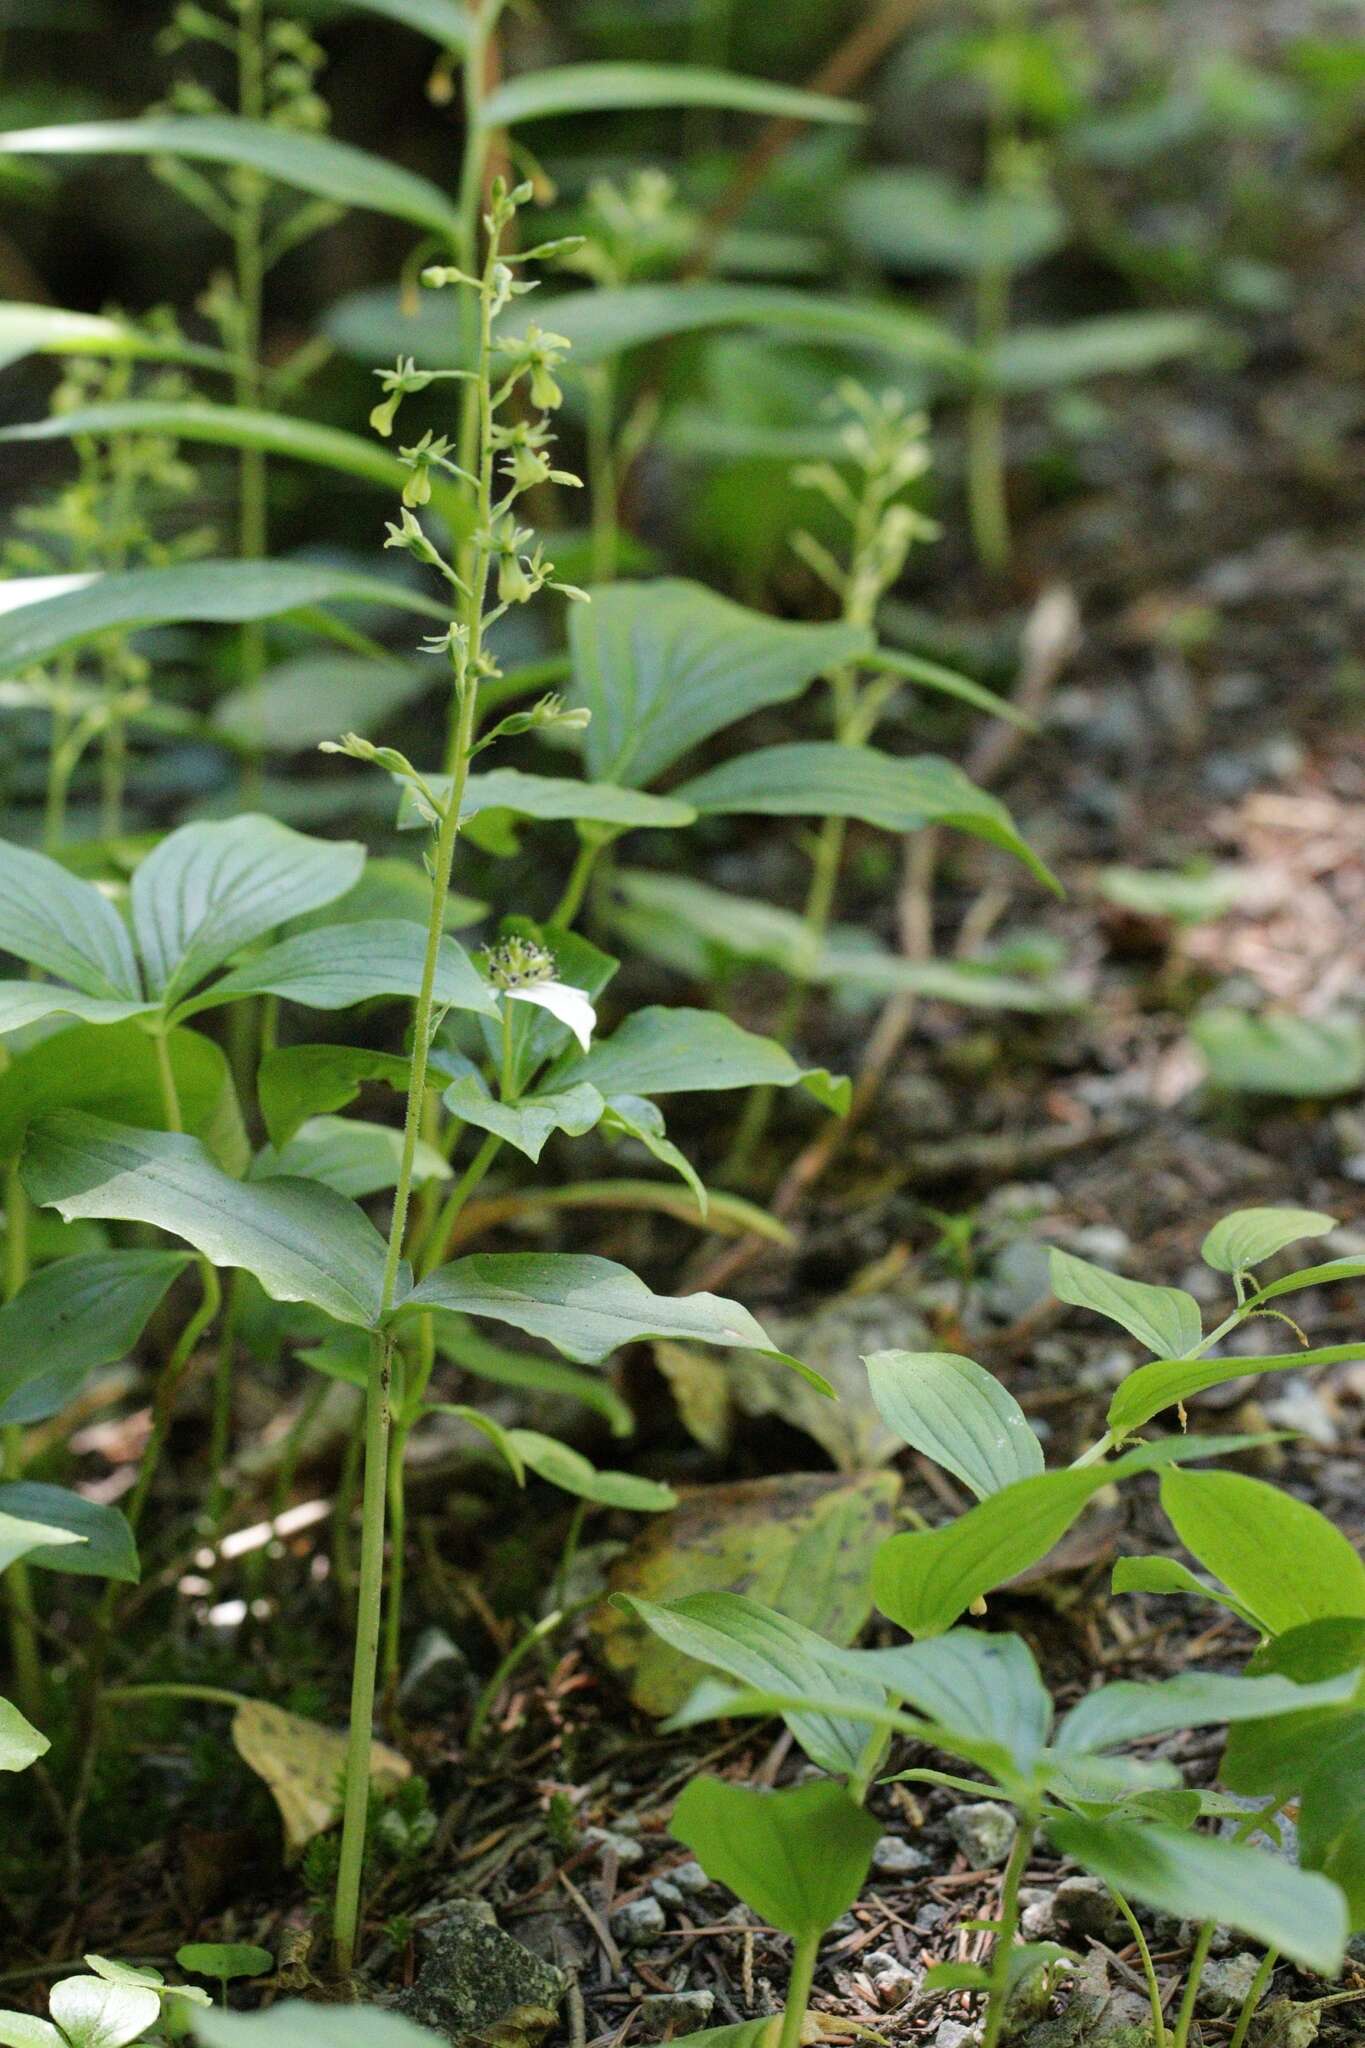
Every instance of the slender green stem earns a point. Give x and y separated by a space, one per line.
1159 2036
23 1636
576 888
1255 1993
215 1695
252 530
798 1990
1007 1930
398 1525
603 483
170 1094
1185 2018
573 1536
433 1251
521 1649
872 1752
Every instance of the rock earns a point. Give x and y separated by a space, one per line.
1283 2024
689 1877
627 1850
1036 1921
891 1979
681 2011
471 1975
1083 1909
953 2034
666 1892
984 1831
1102 1243
1019 1280
1224 1986
895 1857
638 1922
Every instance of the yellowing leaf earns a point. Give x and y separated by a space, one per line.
304 1766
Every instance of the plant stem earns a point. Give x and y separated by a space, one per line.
1008 1928
798 1990
1185 2018
571 902
602 478
1159 2036
1255 1993
252 531
28 1668
170 1094
434 1249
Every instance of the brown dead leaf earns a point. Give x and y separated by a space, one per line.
304 1766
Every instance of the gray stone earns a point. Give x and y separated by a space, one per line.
1019 1280
606 1840
638 1922
954 2034
689 1877
1224 1985
891 1979
471 1974
1283 2024
1083 1909
1103 1243
666 1892
682 2011
984 1831
895 1857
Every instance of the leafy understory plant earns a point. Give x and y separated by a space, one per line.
115 2004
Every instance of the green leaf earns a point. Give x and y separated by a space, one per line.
1127 1712
458 1340
1111 344
573 1473
762 1648
49 330
1308 1276
1281 1055
920 220
72 1317
294 1082
31 1002
1165 1319
55 921
530 1121
334 966
295 2024
980 1688
586 1307
20 1536
932 675
207 890
113 1070
612 88
221 593
926 1578
958 1414
351 1156
1189 1875
302 1242
1169 1380
92 2013
1187 898
445 21
1167 1575
1277 1555
663 1051
312 163
103 1547
817 778
224 1960
314 697
20 1746
552 797
797 1858
23 2030
664 664
1248 1236
633 1116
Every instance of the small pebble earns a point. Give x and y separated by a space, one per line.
1083 1907
891 1979
954 2034
895 1857
605 1840
1224 1986
683 2011
666 1892
638 1922
984 1831
689 1877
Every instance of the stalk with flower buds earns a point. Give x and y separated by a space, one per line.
500 565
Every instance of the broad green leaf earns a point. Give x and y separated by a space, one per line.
49 330
1248 1236
23 2030
1187 898
1277 1555
818 778
924 1579
445 21
20 1536
20 1746
351 1156
575 1474
103 1546
55 921
92 2013
762 1648
296 2024
316 696
334 966
459 1341
797 1858
1168 1380
956 1413
612 88
664 664
232 426
1168 1575
221 593
144 1978
70 1318
1109 345
586 1307
1165 1319
601 324
982 1688
1191 1875
31 1002
529 1122
113 1070
294 1082
662 1051
224 1960
1127 1712
851 960
312 163
302 1242
1281 1055
920 220
207 890
551 797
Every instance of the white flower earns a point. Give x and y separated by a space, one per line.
572 1006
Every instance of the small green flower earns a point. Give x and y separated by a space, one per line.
519 963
